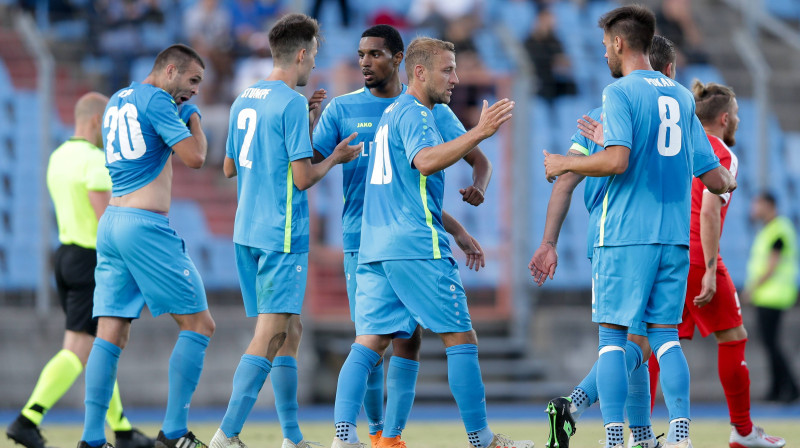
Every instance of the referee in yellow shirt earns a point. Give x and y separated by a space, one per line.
80 187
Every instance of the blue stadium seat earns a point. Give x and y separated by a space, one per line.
704 72
784 9
187 218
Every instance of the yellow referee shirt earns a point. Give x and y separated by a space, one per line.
75 168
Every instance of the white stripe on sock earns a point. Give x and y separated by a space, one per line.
610 348
663 349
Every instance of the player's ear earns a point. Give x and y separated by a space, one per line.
723 119
419 72
301 55
398 58
618 43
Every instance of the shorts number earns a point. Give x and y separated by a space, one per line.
246 120
382 169
124 121
670 113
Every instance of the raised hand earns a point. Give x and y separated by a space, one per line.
315 105
345 152
493 117
543 263
591 129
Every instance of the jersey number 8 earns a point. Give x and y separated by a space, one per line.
670 113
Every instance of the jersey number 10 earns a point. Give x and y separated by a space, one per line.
382 168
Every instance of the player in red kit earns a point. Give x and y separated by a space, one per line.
712 304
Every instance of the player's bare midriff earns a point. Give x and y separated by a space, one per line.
155 196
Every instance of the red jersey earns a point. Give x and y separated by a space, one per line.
729 160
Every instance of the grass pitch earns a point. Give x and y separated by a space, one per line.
706 433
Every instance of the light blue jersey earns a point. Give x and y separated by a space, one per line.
402 218
268 130
650 202
594 188
360 112
140 126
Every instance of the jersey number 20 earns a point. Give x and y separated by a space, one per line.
123 121
382 169
670 113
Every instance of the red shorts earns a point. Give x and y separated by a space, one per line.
722 313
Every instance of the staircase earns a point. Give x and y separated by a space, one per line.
718 22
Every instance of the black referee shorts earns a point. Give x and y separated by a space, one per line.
74 269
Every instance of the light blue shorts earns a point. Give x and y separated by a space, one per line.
350 265
394 296
639 283
271 282
142 260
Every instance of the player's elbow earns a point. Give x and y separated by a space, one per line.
619 165
302 184
715 182
195 161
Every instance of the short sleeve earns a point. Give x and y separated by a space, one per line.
163 115
450 127
417 130
617 118
295 126
97 177
581 143
326 133
703 157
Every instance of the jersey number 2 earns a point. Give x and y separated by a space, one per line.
382 169
124 119
246 120
670 113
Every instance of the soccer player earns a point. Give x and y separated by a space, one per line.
269 148
640 260
563 411
711 301
140 259
406 274
80 187
380 53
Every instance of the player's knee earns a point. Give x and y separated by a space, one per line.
408 348
461 338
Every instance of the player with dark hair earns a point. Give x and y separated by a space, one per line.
269 150
380 53
80 187
712 304
406 274
140 259
563 411
640 259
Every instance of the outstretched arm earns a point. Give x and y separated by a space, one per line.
545 259
436 158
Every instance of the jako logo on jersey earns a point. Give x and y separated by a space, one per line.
364 125
125 93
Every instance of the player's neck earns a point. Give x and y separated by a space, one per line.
418 92
635 61
714 131
391 89
282 74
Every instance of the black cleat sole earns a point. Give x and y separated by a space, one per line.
561 424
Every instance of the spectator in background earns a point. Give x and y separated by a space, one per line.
547 54
343 9
438 13
675 22
208 26
772 287
120 26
